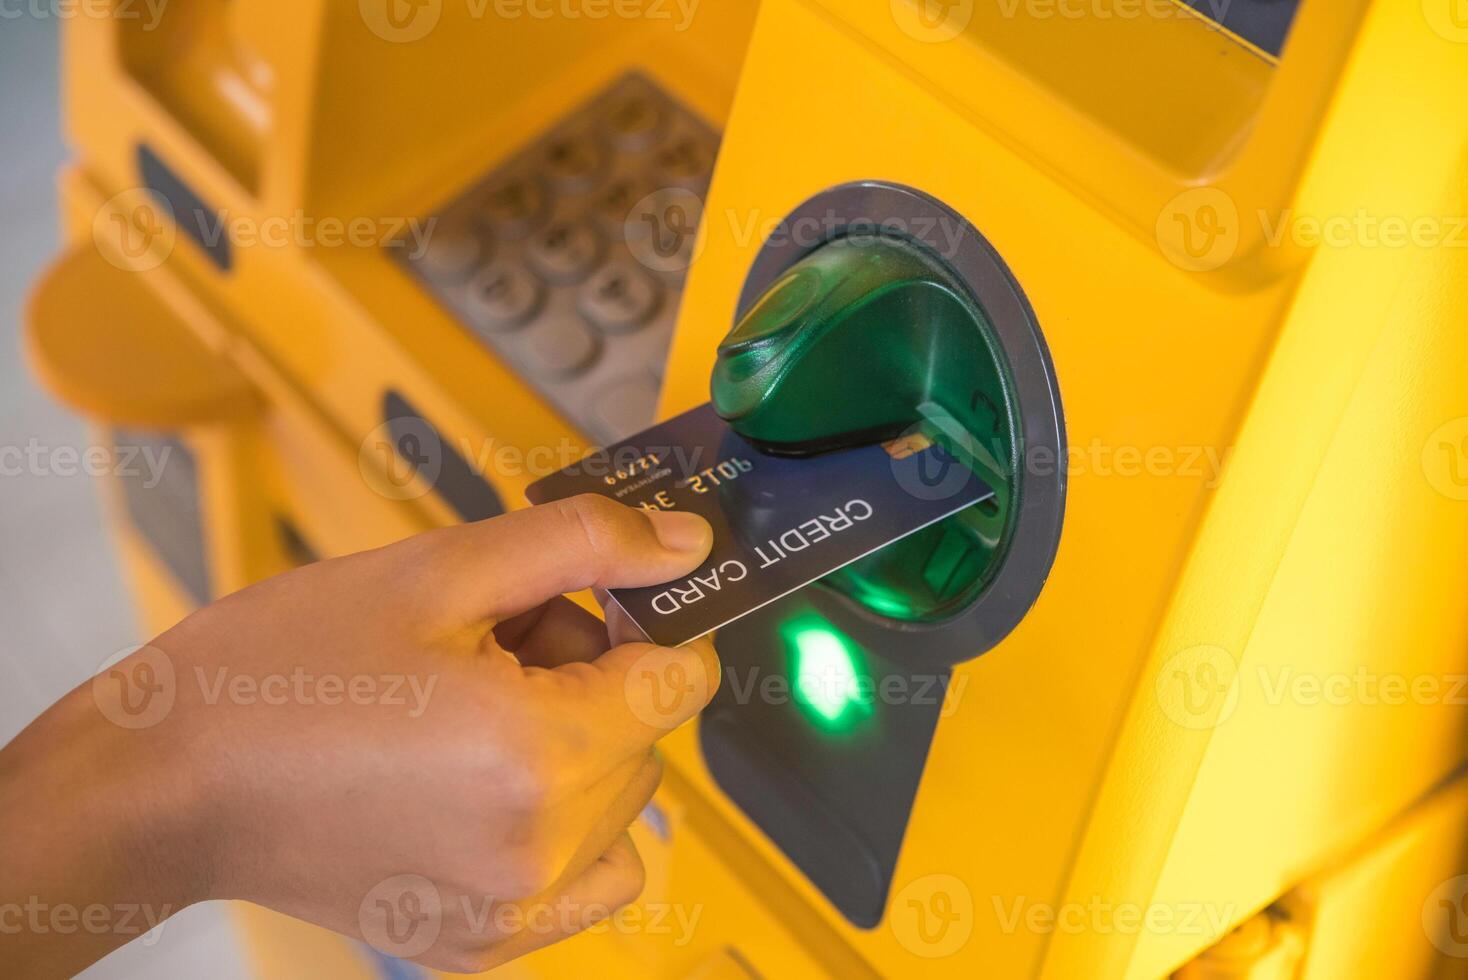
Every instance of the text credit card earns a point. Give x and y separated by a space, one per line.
779 522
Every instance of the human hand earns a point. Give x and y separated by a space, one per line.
421 745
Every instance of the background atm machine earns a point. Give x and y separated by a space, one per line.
1124 230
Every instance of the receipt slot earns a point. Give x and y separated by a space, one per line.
901 326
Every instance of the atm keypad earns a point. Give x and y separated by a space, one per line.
535 257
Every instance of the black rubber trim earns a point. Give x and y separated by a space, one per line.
420 445
836 860
163 504
201 223
294 543
1263 23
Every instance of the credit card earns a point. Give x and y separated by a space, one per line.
779 522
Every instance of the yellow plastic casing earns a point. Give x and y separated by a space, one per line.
1262 434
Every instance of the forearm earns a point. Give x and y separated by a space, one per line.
97 838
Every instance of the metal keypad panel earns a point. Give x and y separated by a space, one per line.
568 260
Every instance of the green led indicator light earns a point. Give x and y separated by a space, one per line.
829 684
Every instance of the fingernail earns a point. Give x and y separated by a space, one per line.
679 531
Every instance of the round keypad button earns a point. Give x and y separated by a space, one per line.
685 161
512 206
455 248
502 296
559 348
574 163
634 117
620 298
661 230
564 252
614 203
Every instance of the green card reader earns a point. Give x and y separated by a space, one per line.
902 325
869 339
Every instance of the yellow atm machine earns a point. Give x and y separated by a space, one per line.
1185 281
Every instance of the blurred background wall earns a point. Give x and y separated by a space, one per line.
63 608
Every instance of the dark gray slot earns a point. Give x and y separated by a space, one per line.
203 224
1264 23
167 512
419 444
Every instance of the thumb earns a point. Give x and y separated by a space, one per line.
508 564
